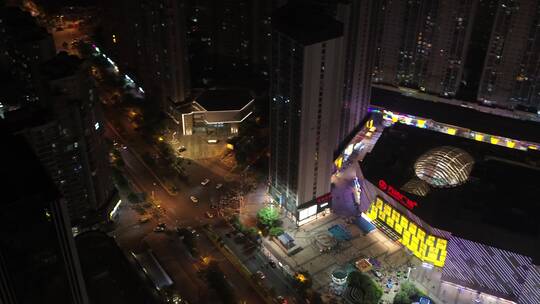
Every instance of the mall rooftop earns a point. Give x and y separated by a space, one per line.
478 191
457 115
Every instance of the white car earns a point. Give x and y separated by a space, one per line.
194 199
205 182
260 275
159 229
219 186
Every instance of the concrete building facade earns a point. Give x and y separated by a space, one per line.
305 96
39 262
359 36
66 133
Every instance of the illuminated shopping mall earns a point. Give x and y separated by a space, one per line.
457 199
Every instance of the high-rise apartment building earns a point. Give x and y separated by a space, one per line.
512 63
66 133
422 44
229 36
305 107
24 46
359 19
38 259
147 39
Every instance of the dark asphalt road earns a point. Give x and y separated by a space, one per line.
176 210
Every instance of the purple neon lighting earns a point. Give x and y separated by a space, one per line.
494 271
531 291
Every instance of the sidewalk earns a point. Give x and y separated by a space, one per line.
139 158
237 263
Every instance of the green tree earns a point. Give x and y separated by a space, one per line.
315 298
119 163
216 279
148 159
276 231
268 216
133 198
189 240
407 293
119 178
178 164
85 49
368 292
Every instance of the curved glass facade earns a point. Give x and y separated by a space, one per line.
444 166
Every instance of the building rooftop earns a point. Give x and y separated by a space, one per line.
20 25
60 66
458 116
306 24
496 205
109 275
26 117
26 177
224 99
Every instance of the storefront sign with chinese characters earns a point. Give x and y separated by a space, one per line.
393 192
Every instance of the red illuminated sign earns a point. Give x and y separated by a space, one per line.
324 198
402 199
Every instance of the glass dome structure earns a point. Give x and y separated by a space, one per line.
444 167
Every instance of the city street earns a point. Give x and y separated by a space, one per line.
174 211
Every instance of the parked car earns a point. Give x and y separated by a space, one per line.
218 186
194 199
377 274
260 275
144 219
192 230
159 229
205 182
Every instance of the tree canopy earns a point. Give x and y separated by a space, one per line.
407 293
268 216
216 279
365 290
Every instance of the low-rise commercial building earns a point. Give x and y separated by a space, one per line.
216 112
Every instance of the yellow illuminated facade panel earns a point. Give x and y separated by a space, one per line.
427 248
369 124
339 162
412 228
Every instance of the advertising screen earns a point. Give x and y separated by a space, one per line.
305 213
